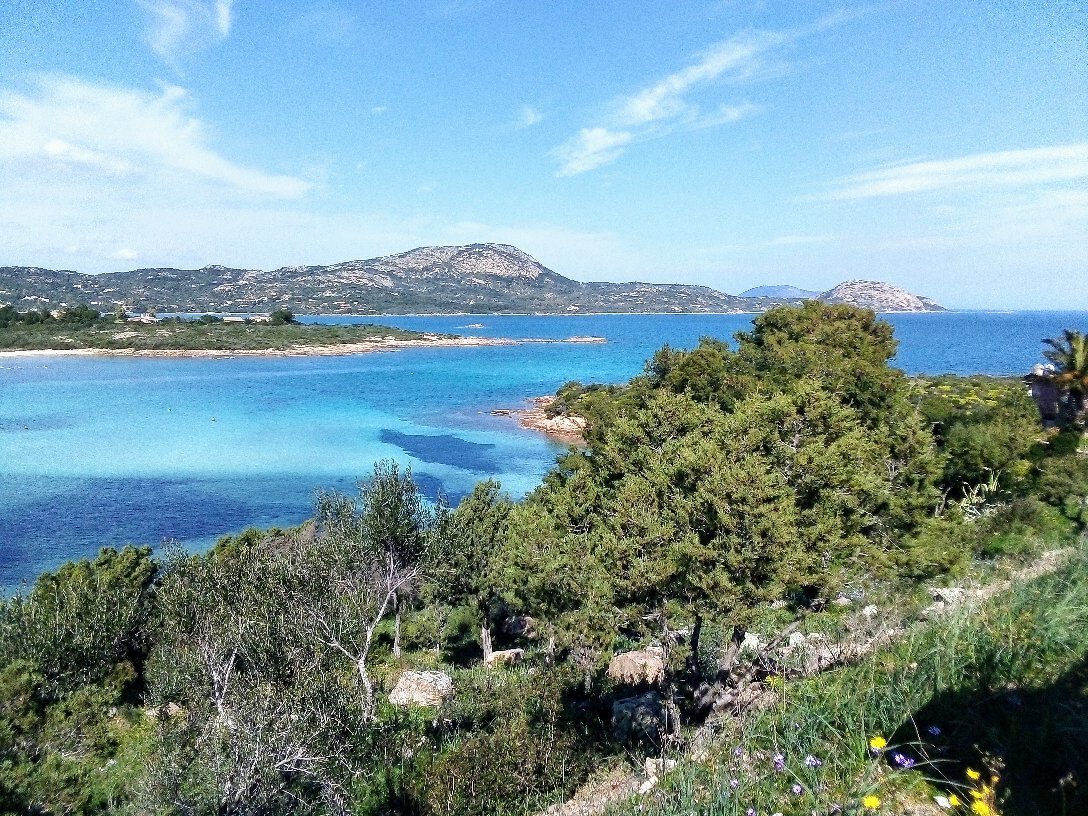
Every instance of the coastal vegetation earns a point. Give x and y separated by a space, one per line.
735 577
81 327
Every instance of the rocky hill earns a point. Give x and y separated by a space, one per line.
478 278
880 297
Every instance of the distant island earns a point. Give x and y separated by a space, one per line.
82 329
473 279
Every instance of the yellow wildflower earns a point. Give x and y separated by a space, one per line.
871 802
877 743
973 775
954 800
981 809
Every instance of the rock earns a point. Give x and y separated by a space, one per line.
426 688
633 668
751 642
640 720
796 639
655 769
843 601
504 657
520 626
933 610
950 595
658 767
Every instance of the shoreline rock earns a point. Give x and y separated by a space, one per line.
569 429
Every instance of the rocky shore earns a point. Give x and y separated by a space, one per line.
568 429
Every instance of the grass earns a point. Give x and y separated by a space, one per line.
1000 690
193 336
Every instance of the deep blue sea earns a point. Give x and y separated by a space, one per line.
109 451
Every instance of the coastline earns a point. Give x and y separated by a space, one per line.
365 347
567 429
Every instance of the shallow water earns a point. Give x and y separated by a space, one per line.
107 451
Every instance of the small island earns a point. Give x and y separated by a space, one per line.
83 330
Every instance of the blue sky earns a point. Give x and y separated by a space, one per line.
939 146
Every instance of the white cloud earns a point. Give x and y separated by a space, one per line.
69 124
591 148
1007 168
737 58
125 254
178 26
378 110
529 116
665 105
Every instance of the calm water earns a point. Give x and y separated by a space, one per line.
109 451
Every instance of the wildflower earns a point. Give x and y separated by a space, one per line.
934 731
980 808
903 761
797 789
750 812
738 752
973 775
779 762
878 743
870 802
813 762
954 800
734 783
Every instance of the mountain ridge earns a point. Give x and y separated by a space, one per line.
474 279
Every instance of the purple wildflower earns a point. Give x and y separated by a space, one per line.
797 789
750 812
738 752
934 730
902 761
734 783
779 762
812 762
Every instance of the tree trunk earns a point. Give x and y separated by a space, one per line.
396 628
694 670
485 641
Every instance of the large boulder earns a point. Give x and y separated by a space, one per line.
635 668
422 688
639 721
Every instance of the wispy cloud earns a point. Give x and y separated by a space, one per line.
591 148
529 116
665 105
738 58
177 26
1006 168
69 125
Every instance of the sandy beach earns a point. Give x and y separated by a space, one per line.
366 347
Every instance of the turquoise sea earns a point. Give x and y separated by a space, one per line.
109 451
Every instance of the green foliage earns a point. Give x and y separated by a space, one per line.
721 480
510 739
78 623
76 329
985 428
1069 355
